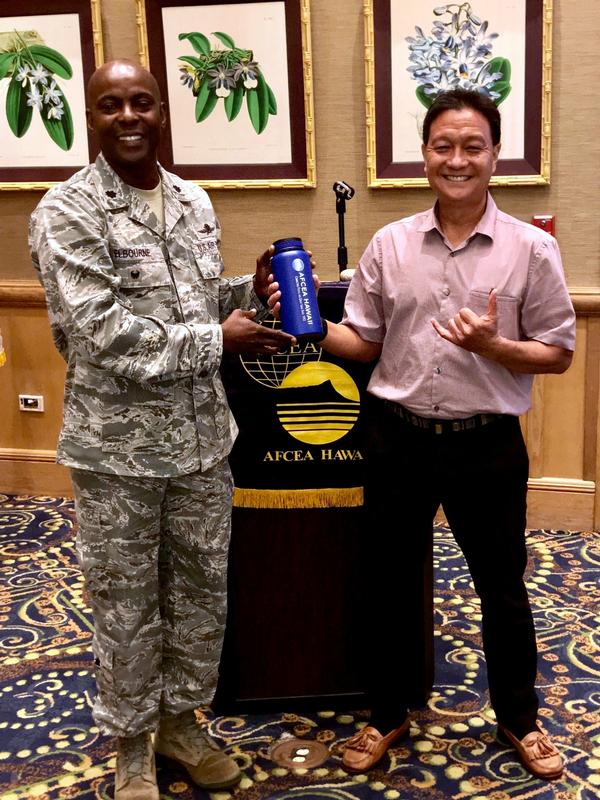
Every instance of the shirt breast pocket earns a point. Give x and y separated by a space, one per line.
207 257
507 308
209 268
147 288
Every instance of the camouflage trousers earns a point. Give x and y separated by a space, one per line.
153 552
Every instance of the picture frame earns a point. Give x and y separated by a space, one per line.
509 53
240 103
47 54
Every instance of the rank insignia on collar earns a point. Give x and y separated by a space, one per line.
177 189
206 228
110 193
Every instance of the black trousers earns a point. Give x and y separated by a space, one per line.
479 476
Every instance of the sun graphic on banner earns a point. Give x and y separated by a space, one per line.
271 371
322 401
333 411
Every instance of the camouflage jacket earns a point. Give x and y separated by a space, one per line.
135 312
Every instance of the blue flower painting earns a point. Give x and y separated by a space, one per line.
457 54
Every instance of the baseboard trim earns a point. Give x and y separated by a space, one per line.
556 504
561 504
561 485
16 454
33 472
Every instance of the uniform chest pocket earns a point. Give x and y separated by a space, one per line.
209 267
207 257
146 289
209 271
143 274
507 308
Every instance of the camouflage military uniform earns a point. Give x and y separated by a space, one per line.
135 311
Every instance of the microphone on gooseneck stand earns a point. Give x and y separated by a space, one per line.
343 192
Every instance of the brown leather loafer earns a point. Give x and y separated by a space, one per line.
368 746
538 754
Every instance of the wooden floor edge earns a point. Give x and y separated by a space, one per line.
37 456
37 476
555 503
550 507
561 485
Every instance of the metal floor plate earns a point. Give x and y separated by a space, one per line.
296 753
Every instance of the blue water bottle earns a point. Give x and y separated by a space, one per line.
299 307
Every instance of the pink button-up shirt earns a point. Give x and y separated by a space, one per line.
410 274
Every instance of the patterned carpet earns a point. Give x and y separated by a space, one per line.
50 749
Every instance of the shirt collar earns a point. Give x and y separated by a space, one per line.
486 225
117 194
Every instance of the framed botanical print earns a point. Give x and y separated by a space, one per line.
237 80
47 54
414 50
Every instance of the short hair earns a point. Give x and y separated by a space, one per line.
457 99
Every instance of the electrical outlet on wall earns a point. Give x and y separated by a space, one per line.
545 221
31 402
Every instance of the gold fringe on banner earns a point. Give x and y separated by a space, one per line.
345 497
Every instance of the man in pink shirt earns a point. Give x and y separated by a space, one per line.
461 306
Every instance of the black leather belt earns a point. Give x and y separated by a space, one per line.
442 425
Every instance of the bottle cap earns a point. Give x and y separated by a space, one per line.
291 242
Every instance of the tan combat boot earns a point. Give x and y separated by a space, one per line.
135 777
181 738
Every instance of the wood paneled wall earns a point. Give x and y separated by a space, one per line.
562 430
561 434
28 439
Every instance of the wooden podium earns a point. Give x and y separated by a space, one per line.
297 636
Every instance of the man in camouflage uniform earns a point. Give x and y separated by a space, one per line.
129 258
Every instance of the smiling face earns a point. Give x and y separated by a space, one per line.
126 115
460 158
